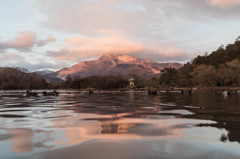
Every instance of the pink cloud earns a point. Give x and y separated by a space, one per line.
23 41
105 44
81 48
224 3
88 17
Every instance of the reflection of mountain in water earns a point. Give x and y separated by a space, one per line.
115 128
30 123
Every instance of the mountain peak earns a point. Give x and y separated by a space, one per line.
107 56
113 64
118 57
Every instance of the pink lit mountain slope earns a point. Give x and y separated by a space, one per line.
114 64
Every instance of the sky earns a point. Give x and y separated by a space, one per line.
52 34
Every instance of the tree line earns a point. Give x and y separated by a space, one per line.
19 78
220 68
96 82
109 82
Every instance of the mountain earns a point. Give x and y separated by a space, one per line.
114 64
44 72
51 78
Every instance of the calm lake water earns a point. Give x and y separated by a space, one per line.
119 125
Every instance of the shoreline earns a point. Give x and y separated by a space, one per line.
169 89
204 89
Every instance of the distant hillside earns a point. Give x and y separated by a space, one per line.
221 55
44 72
221 68
114 64
51 78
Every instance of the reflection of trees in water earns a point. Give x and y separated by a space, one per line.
131 96
233 130
211 106
233 133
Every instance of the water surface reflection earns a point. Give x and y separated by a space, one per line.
119 125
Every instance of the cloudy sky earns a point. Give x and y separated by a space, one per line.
52 34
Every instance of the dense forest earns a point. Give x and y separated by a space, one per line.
19 78
219 69
96 82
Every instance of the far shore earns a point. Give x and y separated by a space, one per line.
163 89
205 88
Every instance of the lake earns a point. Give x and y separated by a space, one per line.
119 125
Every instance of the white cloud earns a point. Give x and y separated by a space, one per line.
17 60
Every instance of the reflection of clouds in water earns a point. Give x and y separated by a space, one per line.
25 140
22 140
78 119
